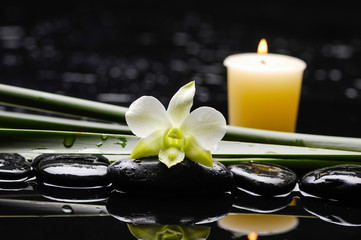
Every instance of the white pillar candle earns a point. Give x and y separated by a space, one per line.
264 90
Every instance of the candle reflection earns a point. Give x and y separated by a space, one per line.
252 236
242 224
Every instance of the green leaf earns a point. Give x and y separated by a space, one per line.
292 139
60 104
31 143
33 121
74 106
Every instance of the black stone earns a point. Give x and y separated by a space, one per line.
13 186
13 167
342 182
260 204
160 209
75 170
69 194
151 175
263 179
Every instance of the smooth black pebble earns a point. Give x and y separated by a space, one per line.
342 182
74 170
13 167
149 175
263 179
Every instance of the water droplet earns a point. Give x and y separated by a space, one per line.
69 140
351 93
122 142
104 137
67 209
99 144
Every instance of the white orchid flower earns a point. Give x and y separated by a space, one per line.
175 134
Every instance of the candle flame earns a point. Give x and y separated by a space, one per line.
262 47
252 236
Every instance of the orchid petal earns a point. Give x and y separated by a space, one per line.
171 156
181 103
148 146
196 153
146 115
206 125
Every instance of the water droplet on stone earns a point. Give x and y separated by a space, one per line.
67 209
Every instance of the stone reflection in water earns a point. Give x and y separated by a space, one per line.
69 194
263 225
13 168
259 204
168 209
154 216
174 232
336 212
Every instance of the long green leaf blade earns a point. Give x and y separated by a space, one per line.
31 143
39 122
292 139
61 104
107 112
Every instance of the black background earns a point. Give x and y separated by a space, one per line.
117 51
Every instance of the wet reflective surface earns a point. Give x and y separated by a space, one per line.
221 216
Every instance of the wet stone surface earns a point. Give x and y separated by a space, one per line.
151 175
68 194
341 182
72 170
260 204
263 179
13 167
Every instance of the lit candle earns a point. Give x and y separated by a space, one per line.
264 89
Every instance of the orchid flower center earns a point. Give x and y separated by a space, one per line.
174 138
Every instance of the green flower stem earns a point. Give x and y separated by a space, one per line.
32 121
60 104
107 112
31 143
292 139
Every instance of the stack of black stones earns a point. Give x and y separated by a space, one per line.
85 178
